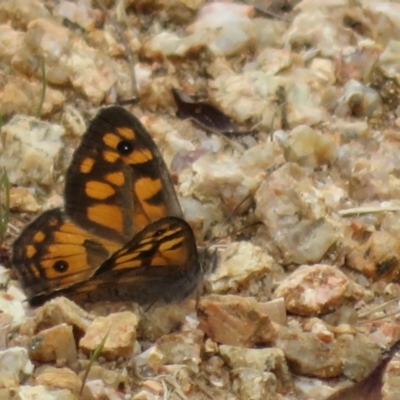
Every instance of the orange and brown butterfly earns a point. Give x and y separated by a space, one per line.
121 236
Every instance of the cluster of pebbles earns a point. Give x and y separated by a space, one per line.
295 307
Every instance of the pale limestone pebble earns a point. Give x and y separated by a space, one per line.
145 395
391 379
358 100
102 39
53 201
269 33
317 289
252 96
240 265
320 29
334 195
158 93
59 311
54 344
261 360
73 121
10 41
272 61
78 12
22 12
149 361
153 386
22 200
309 147
307 354
98 390
228 181
143 75
113 378
260 157
235 320
358 354
5 329
349 130
348 156
58 378
14 366
30 149
21 96
389 61
249 383
296 215
372 179
377 257
171 137
14 307
198 215
120 329
182 348
42 393
4 276
223 33
68 60
319 328
325 69
159 321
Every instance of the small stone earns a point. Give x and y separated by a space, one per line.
54 344
43 393
14 364
296 215
97 390
115 379
262 360
30 149
235 320
149 361
61 310
306 354
308 147
22 200
241 263
317 289
182 348
59 378
120 329
13 307
378 257
249 383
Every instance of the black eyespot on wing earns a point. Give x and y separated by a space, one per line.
61 266
124 147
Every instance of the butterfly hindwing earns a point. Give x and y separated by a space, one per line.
117 182
52 252
159 264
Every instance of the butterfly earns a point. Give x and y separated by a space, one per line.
122 236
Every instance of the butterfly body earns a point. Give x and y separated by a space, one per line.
122 236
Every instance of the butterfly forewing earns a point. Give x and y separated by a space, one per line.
117 182
159 264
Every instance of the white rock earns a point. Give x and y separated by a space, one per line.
29 149
14 363
43 393
13 307
241 263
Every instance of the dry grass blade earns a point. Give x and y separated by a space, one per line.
44 86
4 204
